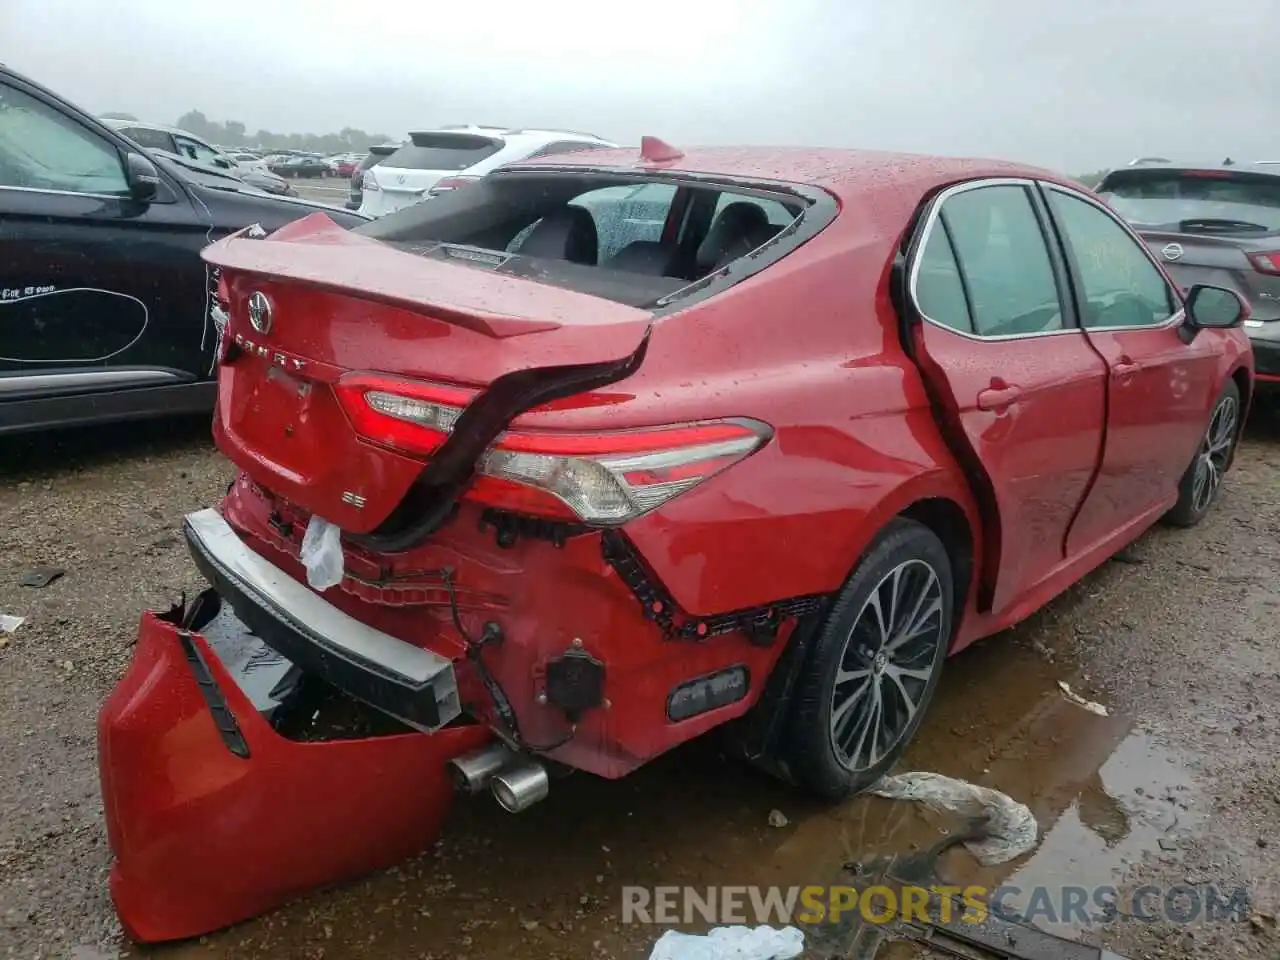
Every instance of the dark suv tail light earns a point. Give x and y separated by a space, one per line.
602 478
1266 262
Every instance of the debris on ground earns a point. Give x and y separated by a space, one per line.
1011 828
10 623
1080 701
40 576
731 943
777 818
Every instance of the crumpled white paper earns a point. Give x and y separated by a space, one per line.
321 553
731 943
1012 827
10 623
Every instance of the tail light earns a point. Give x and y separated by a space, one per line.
451 183
368 183
1266 262
602 479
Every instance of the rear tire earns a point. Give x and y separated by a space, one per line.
874 664
1199 487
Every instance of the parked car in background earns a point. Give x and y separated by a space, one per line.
435 161
1213 223
105 305
991 387
300 166
345 164
376 154
172 140
258 177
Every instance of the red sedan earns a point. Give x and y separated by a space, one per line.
619 447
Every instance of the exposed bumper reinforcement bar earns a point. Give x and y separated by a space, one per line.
414 685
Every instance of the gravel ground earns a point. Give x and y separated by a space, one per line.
1178 638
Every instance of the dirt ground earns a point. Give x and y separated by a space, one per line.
1179 638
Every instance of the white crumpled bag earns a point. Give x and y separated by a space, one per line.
1012 828
321 553
731 943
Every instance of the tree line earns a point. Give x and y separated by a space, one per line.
233 133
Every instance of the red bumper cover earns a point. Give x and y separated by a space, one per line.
204 837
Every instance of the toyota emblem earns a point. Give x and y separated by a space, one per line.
1172 251
260 312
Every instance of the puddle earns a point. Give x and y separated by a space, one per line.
548 882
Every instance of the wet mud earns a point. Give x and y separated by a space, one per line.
1179 639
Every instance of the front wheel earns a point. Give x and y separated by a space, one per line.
1202 482
874 665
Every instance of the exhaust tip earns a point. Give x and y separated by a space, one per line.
471 771
519 787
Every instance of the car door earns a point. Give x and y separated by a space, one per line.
1160 389
98 292
1018 391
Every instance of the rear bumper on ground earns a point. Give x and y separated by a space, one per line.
408 682
214 817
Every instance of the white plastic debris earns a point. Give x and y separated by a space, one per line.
1075 698
10 623
321 553
1011 826
731 943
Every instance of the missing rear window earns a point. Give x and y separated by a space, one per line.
634 240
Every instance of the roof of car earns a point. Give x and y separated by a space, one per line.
1271 167
842 172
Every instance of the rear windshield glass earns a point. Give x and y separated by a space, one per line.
1190 201
443 151
633 242
373 159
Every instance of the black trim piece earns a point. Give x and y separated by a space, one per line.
760 624
223 718
20 416
1068 295
433 499
391 693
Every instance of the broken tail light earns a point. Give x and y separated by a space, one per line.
603 479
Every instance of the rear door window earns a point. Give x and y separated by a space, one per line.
443 151
1002 265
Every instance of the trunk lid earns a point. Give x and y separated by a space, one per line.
339 303
1221 261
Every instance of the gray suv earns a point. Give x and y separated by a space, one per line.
1216 223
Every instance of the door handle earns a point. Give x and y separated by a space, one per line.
1125 368
999 396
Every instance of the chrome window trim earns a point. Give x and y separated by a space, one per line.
931 222
1174 319
65 193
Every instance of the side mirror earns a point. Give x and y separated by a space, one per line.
142 177
1215 308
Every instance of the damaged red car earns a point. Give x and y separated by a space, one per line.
567 467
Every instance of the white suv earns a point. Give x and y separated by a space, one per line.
434 161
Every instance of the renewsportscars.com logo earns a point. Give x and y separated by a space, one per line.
1087 906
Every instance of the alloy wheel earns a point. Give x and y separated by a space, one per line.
885 667
1215 451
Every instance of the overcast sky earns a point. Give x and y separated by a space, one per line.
1072 85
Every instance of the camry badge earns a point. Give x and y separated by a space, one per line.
260 312
1172 251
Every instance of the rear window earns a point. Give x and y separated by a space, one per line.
443 151
631 241
1196 201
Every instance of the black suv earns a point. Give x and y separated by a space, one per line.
105 305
